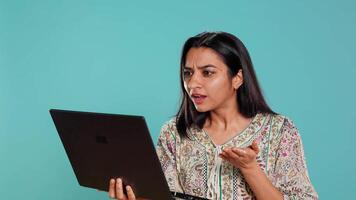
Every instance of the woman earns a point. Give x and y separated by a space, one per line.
225 142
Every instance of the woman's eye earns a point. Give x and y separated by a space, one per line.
187 74
207 73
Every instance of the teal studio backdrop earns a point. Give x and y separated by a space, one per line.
123 57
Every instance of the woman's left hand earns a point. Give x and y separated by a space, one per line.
242 158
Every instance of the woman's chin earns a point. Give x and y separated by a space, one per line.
200 108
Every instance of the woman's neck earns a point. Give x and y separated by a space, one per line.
224 119
222 126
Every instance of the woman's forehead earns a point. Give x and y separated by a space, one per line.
202 56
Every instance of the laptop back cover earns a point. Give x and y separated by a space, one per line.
103 146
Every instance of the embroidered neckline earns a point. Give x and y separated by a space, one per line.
203 137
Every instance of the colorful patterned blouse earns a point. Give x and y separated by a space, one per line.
193 166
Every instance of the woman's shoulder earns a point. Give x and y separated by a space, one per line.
170 124
283 126
279 119
169 129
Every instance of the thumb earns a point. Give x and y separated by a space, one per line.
254 147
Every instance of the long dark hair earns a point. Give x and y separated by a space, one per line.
235 55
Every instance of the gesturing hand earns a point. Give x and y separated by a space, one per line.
242 158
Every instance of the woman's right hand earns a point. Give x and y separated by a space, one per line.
116 190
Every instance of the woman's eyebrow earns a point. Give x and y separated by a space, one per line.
201 67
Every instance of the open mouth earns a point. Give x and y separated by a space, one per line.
198 99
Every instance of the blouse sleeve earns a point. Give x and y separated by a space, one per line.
290 173
166 151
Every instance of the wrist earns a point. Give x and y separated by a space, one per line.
251 169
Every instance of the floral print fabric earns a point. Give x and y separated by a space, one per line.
192 165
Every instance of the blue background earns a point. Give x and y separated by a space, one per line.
123 57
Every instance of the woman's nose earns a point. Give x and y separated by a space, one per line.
194 81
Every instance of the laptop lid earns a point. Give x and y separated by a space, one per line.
103 146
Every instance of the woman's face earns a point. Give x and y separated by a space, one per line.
207 80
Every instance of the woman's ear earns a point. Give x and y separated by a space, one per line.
237 80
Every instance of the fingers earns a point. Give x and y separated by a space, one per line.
119 190
112 189
130 193
230 154
254 147
239 152
116 190
224 156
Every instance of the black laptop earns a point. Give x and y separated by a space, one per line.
104 146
